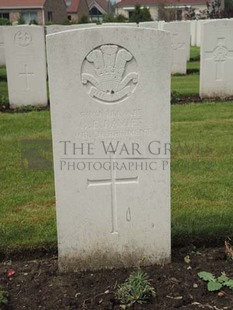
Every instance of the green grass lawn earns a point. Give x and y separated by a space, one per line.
193 65
186 85
3 87
3 72
202 175
27 197
194 53
202 196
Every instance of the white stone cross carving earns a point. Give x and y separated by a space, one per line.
27 75
219 55
113 181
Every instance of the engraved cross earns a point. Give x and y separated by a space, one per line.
219 55
113 181
27 75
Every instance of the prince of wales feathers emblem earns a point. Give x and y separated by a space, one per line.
109 84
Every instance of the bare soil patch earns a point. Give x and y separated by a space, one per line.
37 284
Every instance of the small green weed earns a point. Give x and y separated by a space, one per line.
228 249
136 289
215 284
3 299
4 103
28 108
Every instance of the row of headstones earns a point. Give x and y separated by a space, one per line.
196 29
181 32
215 38
107 86
24 52
26 59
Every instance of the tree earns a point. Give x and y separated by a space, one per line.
228 8
214 9
120 18
110 18
140 14
4 21
84 19
21 20
190 13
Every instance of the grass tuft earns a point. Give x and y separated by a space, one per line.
136 289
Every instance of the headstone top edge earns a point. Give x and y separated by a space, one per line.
105 28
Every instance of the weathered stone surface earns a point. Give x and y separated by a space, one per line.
2 48
110 110
26 65
193 32
58 28
216 71
120 24
180 36
149 24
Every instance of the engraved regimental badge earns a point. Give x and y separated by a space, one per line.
107 74
23 38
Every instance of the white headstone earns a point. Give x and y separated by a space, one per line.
81 26
58 28
200 23
113 210
161 23
2 49
193 32
153 24
120 24
216 71
188 43
26 65
180 36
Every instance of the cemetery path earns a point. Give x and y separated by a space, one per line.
37 284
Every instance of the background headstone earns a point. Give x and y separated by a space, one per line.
180 37
200 23
161 23
216 71
114 90
188 44
2 49
153 24
58 28
120 24
26 65
193 32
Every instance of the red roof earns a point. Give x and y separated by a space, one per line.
101 5
123 3
73 8
21 3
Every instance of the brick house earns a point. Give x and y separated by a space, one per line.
98 8
77 9
94 9
125 7
40 10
